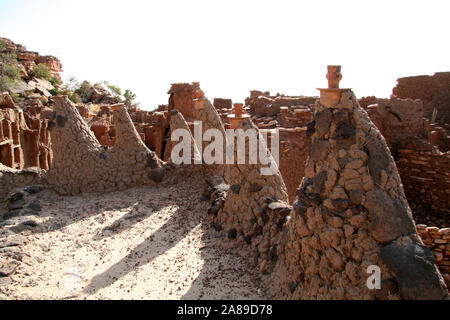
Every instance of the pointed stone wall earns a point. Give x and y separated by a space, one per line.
81 164
351 213
210 119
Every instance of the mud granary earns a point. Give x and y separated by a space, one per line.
360 182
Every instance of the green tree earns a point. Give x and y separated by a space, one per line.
84 91
115 90
68 89
129 97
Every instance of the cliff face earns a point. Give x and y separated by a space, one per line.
28 60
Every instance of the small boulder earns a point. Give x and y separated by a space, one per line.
417 276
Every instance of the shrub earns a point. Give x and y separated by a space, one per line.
9 71
74 97
55 81
42 71
84 91
129 97
67 92
115 90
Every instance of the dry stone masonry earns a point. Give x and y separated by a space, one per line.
351 213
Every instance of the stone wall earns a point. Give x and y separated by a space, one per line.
351 213
182 97
210 119
220 103
438 240
434 91
398 119
426 179
422 166
12 178
251 207
265 105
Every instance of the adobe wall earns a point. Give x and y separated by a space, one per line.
24 140
294 150
220 103
81 164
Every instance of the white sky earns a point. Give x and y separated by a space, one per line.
232 47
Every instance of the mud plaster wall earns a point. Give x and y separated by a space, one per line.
210 119
177 121
24 140
294 149
350 213
81 164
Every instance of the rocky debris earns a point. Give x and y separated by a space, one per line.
22 208
12 178
7 266
216 192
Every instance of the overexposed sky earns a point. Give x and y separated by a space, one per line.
231 46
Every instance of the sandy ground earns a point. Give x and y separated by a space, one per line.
142 243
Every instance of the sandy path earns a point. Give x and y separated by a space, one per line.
142 243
